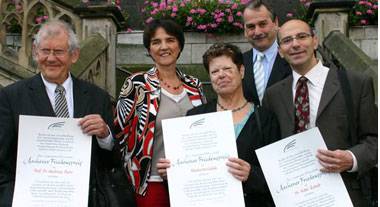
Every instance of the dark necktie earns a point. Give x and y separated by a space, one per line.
61 109
301 102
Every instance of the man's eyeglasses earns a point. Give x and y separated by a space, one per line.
299 37
55 52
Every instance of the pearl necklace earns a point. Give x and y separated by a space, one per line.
233 110
168 85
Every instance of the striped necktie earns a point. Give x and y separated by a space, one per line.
61 109
258 70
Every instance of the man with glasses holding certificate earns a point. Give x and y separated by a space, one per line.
314 96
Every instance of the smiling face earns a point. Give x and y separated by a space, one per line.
259 28
300 51
225 76
53 58
164 48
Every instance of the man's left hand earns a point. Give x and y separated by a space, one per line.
93 124
335 161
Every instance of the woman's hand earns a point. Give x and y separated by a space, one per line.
239 168
162 165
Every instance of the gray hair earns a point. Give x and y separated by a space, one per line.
53 28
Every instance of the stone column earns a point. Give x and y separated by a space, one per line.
106 20
330 15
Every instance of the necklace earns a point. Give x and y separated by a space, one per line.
233 110
167 84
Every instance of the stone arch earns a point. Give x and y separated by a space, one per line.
38 13
66 18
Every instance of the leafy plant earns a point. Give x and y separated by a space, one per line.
364 13
212 16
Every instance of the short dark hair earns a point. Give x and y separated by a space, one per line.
223 49
169 25
256 4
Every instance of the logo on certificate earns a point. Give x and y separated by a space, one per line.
56 126
290 145
197 123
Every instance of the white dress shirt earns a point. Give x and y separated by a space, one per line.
105 143
268 60
316 81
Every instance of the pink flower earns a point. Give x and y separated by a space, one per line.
149 20
374 7
370 12
201 27
175 9
154 12
230 19
358 13
173 14
189 19
169 1
193 11
369 4
162 5
244 2
238 24
154 4
213 25
219 20
234 6
38 20
201 11
239 14
129 30
361 2
289 14
182 4
363 22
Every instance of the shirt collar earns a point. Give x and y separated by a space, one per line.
50 87
269 53
314 76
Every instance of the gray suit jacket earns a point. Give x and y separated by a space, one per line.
332 118
29 97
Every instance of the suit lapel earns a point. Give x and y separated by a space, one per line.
287 99
39 97
80 95
330 88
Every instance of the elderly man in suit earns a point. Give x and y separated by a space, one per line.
263 65
313 97
55 49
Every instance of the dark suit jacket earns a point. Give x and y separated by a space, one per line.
29 97
255 188
280 70
332 120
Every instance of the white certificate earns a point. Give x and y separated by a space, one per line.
293 174
53 163
198 148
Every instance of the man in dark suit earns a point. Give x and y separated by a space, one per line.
260 29
313 97
55 49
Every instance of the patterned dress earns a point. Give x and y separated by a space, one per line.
137 108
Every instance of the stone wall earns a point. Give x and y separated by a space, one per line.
365 38
130 49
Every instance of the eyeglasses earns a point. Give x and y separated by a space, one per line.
299 37
55 52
